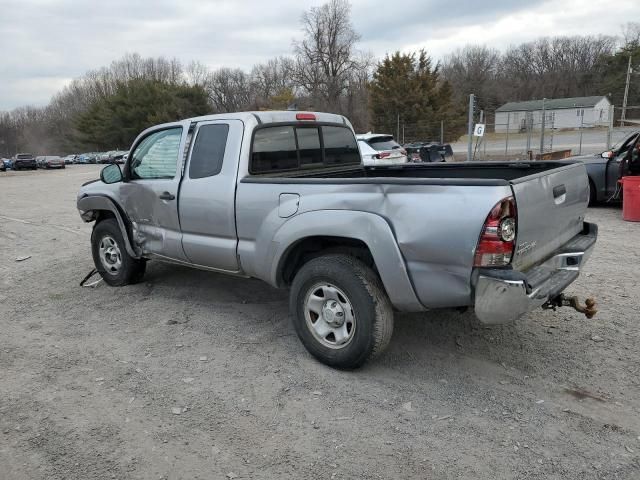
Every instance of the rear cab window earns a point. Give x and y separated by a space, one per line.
286 148
208 150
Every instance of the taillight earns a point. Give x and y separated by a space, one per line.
403 151
497 240
382 155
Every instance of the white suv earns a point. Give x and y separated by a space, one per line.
380 149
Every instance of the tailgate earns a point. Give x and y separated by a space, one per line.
551 208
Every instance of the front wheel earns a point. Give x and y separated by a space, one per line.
341 312
110 255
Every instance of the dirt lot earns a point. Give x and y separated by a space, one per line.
196 375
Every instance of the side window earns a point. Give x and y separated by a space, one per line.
309 146
274 149
340 146
208 151
157 155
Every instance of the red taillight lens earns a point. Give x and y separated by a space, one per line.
497 240
305 116
383 155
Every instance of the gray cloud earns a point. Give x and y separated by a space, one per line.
45 43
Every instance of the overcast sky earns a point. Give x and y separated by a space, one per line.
46 43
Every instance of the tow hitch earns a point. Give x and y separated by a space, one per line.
588 309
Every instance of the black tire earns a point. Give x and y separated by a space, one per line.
370 304
131 270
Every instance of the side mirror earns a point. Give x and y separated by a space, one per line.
111 174
607 154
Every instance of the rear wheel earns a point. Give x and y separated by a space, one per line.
110 255
341 312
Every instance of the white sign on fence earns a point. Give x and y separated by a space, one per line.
478 131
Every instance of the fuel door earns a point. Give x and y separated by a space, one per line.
288 206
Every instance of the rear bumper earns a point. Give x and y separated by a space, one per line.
502 296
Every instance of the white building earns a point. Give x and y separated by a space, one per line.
559 113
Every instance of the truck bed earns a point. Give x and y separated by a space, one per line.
458 173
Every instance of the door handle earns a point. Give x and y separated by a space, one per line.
167 196
559 191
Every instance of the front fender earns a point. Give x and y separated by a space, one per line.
369 228
92 204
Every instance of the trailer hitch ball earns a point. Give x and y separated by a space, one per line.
588 309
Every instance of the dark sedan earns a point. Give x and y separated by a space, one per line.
605 169
23 161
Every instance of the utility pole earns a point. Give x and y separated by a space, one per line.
542 130
623 115
398 129
470 128
441 131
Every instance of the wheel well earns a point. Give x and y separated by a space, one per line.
100 215
311 247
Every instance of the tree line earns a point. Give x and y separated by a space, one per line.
326 71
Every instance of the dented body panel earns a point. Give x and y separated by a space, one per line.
420 227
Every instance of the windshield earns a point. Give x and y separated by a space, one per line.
24 156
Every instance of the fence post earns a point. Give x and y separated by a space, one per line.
610 129
542 129
470 129
506 145
581 125
528 124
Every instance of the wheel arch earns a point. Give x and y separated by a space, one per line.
97 208
363 235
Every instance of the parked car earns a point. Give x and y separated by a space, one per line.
117 157
53 161
380 149
125 156
3 165
606 168
7 163
24 161
70 159
284 197
429 152
105 157
85 158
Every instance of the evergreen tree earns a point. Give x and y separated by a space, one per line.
114 121
407 87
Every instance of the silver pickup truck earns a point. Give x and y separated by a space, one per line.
284 197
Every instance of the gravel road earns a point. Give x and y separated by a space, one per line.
194 375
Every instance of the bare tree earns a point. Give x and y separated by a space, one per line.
229 90
631 35
473 69
326 57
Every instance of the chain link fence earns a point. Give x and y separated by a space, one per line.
536 137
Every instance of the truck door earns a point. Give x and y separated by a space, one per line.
149 194
207 195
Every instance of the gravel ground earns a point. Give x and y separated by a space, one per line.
196 375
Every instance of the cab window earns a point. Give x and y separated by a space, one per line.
156 156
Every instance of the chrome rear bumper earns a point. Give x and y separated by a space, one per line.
502 296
